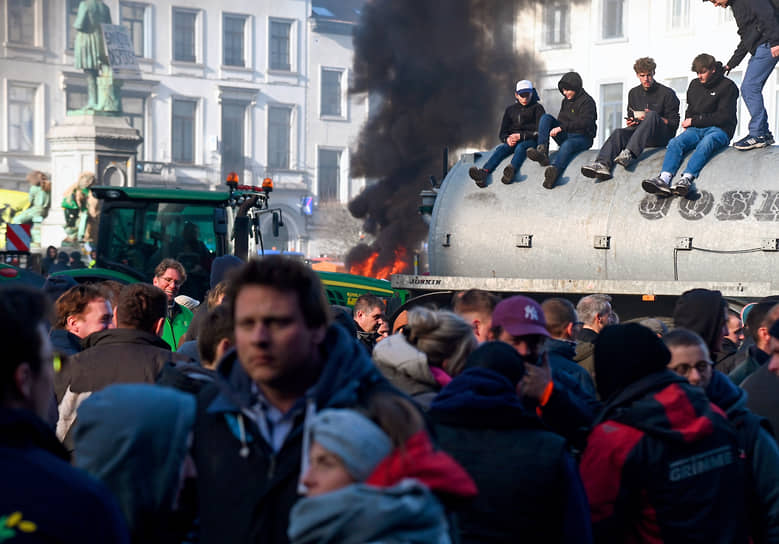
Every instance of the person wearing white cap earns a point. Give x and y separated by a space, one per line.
518 132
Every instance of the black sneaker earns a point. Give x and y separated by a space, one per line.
539 154
479 175
681 187
625 158
550 177
656 186
508 175
597 170
754 142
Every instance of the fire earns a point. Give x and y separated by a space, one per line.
367 267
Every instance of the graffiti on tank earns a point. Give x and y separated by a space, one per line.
736 205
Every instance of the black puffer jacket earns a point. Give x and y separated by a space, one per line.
522 119
713 104
757 24
577 116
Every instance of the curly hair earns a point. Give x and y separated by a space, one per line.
645 65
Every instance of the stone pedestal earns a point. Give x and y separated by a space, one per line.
104 144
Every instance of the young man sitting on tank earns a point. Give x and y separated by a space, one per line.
574 129
709 124
518 132
652 120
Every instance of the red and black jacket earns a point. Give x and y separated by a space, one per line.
662 464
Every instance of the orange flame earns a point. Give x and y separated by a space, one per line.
367 266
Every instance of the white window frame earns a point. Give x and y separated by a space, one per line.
601 23
198 34
247 40
566 30
341 93
683 24
196 129
340 188
37 38
293 47
147 25
602 105
37 121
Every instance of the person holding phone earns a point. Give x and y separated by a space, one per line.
652 120
546 388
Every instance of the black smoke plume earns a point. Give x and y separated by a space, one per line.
445 70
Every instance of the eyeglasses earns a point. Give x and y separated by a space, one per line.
685 369
175 282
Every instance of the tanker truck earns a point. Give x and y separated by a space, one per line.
588 236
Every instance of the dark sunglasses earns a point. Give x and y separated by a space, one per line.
525 94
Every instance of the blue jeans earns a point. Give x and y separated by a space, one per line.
706 142
759 68
570 144
504 150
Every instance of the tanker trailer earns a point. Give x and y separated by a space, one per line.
589 236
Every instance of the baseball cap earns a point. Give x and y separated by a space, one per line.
524 86
520 315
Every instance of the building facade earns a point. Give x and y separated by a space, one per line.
601 39
256 88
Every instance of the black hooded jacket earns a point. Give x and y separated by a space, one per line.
702 311
522 119
577 116
757 24
713 104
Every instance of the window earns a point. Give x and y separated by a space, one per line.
233 114
551 99
183 134
612 18
279 45
331 92
557 22
21 22
21 118
278 136
134 109
70 18
75 98
329 174
679 85
233 40
133 16
611 108
680 14
741 110
184 35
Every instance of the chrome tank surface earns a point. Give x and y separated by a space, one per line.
611 230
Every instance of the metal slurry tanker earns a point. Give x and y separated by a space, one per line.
586 236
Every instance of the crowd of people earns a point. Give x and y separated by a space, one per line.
652 117
268 415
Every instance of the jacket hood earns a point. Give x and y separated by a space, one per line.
666 406
719 73
726 395
124 336
394 352
417 459
571 80
563 348
347 368
358 513
702 311
480 397
134 438
24 429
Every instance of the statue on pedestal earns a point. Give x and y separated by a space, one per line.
40 199
75 205
90 56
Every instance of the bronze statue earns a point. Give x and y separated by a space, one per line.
90 55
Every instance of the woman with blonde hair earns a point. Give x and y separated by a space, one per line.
430 351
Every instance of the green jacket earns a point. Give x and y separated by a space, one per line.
176 325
